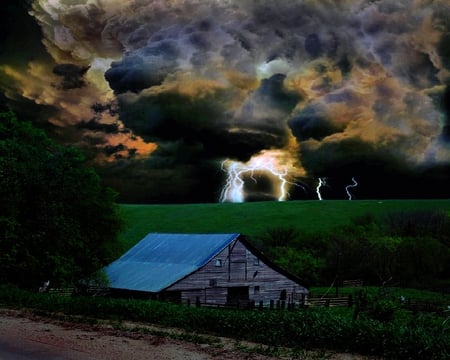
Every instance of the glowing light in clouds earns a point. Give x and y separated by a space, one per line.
268 162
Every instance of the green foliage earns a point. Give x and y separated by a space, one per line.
299 262
418 223
404 337
280 236
57 221
408 248
383 309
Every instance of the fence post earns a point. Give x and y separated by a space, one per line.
350 300
188 302
197 301
261 304
271 304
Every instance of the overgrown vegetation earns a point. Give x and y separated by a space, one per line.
405 336
404 248
57 221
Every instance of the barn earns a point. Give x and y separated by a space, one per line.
210 269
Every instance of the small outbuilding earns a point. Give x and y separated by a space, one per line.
211 269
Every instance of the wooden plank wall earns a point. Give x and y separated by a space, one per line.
238 268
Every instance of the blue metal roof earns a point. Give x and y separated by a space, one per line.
160 260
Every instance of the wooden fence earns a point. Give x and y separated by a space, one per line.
282 305
425 306
61 291
353 283
330 301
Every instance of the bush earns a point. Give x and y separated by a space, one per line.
383 310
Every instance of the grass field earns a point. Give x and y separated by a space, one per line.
254 218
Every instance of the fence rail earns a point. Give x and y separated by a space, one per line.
330 301
61 291
424 306
281 305
353 283
97 291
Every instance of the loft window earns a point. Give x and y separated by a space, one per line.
256 290
212 282
218 262
256 261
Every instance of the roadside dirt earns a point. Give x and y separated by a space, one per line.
112 341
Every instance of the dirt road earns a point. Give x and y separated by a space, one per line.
24 336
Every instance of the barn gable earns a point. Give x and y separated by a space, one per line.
239 273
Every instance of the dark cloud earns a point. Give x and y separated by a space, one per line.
313 45
144 68
445 106
72 75
312 123
444 49
332 89
380 173
114 150
142 182
94 125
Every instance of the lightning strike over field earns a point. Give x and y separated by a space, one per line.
354 184
322 182
233 191
267 163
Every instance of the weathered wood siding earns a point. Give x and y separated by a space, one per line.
238 268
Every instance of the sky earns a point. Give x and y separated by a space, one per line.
185 101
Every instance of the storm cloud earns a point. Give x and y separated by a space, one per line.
172 89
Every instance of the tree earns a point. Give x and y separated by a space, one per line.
57 221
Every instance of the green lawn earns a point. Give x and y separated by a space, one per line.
254 218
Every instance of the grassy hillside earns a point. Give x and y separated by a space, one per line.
254 218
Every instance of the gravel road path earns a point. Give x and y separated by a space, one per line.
24 336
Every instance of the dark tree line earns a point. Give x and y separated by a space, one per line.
57 221
409 248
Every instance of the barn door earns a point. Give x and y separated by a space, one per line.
237 294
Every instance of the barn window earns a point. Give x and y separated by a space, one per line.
212 282
218 262
256 262
256 290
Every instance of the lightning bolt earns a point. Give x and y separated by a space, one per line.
354 184
234 187
322 182
233 190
